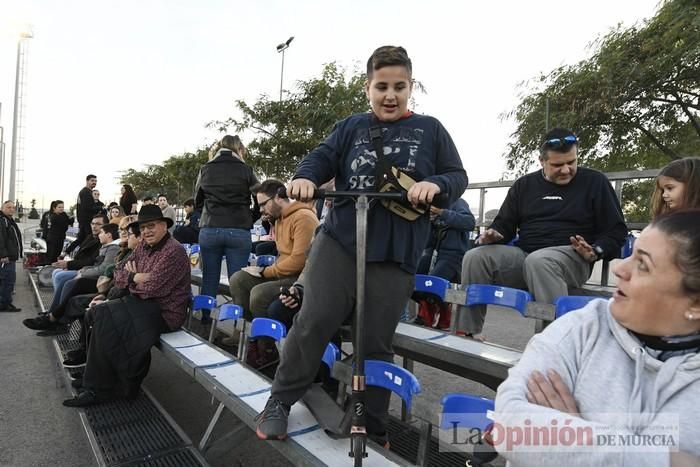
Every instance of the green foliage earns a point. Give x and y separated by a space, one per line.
287 130
33 213
635 103
176 177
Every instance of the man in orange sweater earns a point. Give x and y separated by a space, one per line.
254 287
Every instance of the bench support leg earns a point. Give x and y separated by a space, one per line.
210 428
405 414
424 444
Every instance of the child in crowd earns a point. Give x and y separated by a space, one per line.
419 146
677 186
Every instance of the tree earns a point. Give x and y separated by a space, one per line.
287 130
33 213
176 177
635 103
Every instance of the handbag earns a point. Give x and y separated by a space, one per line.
392 179
104 283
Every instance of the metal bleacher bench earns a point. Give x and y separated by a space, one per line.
483 362
245 391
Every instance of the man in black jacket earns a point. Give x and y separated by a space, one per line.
566 218
85 209
10 252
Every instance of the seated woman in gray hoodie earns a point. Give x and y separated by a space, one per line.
616 382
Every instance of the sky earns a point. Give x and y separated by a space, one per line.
113 85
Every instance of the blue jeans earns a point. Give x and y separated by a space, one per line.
215 243
8 276
59 278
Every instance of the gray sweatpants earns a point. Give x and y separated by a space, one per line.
329 297
547 273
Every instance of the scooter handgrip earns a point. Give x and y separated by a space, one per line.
441 200
318 193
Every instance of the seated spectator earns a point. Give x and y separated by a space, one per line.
116 214
253 287
57 226
442 257
99 206
677 187
78 305
188 232
147 200
647 335
567 218
266 244
86 256
85 280
168 211
157 276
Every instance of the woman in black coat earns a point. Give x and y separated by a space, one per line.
128 200
58 225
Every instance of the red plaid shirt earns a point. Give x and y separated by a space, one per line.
169 283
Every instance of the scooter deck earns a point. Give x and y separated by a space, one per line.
329 415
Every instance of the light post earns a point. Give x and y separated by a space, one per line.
281 48
17 116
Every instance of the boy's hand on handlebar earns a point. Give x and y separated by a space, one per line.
422 193
301 189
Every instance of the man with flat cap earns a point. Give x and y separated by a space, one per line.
157 276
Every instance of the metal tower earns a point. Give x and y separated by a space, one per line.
17 156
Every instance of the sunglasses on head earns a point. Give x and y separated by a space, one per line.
559 142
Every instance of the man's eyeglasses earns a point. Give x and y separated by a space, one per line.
560 142
99 224
265 202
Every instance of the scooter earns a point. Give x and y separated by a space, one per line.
319 406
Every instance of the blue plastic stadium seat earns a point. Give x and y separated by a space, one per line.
563 305
267 327
466 411
230 311
432 285
203 302
331 355
479 294
265 260
394 378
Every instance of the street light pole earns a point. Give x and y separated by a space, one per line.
18 110
281 48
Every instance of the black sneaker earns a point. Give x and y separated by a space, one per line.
75 359
10 308
40 323
272 421
85 399
54 331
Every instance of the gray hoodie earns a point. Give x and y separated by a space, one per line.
610 372
108 253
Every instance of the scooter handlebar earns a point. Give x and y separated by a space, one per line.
440 200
